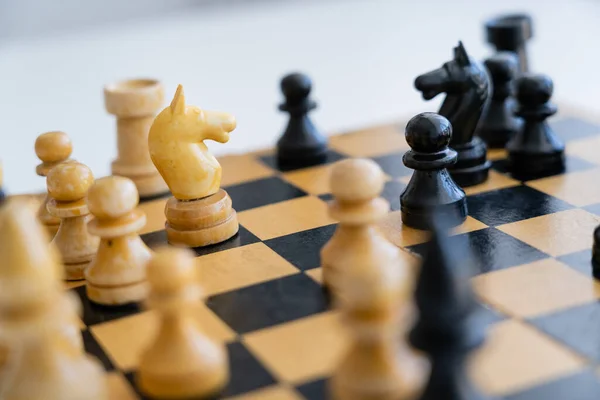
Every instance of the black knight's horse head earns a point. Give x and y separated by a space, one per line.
468 91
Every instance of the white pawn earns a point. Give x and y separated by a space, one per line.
181 362
43 361
117 274
68 184
372 286
52 148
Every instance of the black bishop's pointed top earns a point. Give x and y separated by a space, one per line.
446 303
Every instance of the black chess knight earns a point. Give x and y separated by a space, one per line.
468 91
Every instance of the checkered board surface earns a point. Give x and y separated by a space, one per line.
531 240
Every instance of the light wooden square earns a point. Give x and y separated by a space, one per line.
577 188
314 180
278 392
401 235
241 266
119 388
371 142
558 233
302 350
585 148
316 274
242 168
125 339
517 357
286 217
495 181
155 215
534 289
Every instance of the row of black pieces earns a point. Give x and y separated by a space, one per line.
520 102
534 150
516 119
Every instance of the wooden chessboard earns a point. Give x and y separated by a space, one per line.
532 244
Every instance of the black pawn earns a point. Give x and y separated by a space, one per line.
511 33
596 254
449 325
431 189
500 124
535 150
301 144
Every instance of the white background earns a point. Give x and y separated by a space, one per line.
362 56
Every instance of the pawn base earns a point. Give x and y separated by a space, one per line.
297 159
117 296
466 177
472 166
202 222
454 214
192 385
528 165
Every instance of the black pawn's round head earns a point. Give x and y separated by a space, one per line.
503 66
428 133
534 90
296 87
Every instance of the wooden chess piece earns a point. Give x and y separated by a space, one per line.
500 124
117 274
511 32
430 189
37 318
200 213
301 144
52 148
181 362
346 206
68 184
135 103
468 89
372 286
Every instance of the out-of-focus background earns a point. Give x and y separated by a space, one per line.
55 58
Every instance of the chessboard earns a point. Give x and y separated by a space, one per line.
532 245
